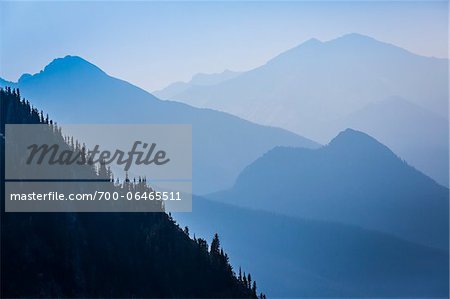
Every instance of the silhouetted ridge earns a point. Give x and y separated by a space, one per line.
66 64
69 91
295 54
90 255
351 41
70 62
357 142
355 37
355 180
311 43
320 88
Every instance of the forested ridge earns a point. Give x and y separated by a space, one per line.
105 254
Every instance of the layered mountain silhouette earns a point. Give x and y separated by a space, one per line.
312 88
354 180
289 256
76 91
98 255
301 258
414 133
197 80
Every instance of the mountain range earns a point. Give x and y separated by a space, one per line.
347 219
317 88
197 80
354 180
303 258
75 91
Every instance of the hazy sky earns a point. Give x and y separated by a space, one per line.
152 44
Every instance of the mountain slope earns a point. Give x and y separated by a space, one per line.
75 91
317 83
101 255
297 258
355 180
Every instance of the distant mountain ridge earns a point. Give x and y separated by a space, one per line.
311 89
310 258
404 126
73 90
197 80
368 60
354 180
291 257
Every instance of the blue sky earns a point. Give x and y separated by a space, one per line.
152 44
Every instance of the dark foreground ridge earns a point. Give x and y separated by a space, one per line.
124 255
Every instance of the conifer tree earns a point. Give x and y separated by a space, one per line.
215 245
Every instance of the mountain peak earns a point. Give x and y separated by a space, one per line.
355 36
352 141
349 38
67 64
357 40
351 135
312 41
